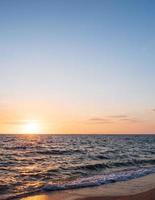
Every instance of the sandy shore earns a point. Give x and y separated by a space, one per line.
149 195
137 189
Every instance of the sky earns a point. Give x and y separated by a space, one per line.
77 66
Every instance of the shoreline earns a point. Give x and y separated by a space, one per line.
135 189
148 195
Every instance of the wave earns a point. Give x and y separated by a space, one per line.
133 162
86 182
99 179
58 152
105 165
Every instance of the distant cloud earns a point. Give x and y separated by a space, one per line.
98 120
118 116
17 122
153 109
124 118
132 120
113 119
13 122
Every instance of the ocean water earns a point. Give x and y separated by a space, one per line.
54 162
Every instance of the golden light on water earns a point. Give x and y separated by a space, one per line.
32 127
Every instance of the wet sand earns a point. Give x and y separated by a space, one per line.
137 189
149 195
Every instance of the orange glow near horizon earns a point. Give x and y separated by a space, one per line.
31 127
74 127
43 121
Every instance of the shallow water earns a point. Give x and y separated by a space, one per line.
50 162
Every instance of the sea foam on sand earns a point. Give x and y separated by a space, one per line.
134 186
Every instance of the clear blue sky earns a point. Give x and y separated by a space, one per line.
94 58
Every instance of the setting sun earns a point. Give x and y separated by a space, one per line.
31 127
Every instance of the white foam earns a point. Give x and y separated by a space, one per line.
99 179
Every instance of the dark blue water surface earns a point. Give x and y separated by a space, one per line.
50 162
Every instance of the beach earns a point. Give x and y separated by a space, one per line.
137 189
149 195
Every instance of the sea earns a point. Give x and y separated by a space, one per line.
37 163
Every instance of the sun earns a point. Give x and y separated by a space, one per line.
31 127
